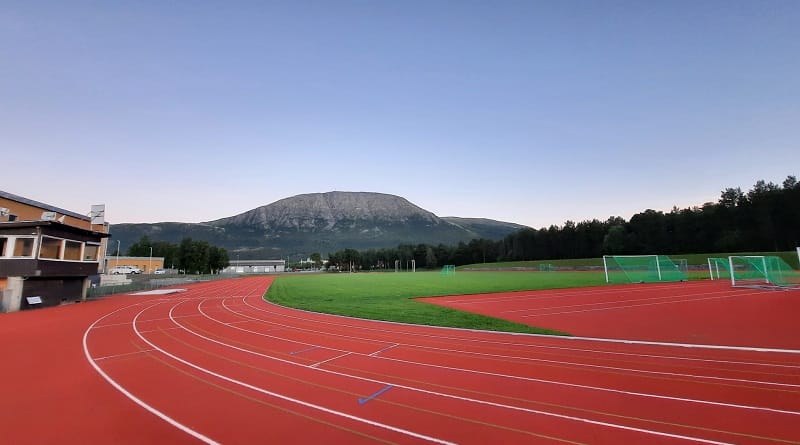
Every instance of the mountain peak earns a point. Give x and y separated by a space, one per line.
309 210
323 223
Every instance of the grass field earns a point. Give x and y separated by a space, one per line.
390 296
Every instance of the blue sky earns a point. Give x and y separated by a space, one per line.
532 112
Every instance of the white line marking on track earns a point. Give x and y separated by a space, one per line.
452 396
330 359
552 382
281 396
523 335
384 349
566 363
581 311
132 397
122 355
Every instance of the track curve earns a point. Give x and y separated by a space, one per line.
223 366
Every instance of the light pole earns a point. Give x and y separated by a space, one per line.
150 265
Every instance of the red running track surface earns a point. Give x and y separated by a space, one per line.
696 312
217 364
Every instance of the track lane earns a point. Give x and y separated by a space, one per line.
388 354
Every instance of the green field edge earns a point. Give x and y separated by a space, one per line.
400 297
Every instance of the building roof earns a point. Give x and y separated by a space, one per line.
40 223
254 262
42 205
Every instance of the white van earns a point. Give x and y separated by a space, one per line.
124 270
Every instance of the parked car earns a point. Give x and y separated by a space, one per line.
124 270
159 271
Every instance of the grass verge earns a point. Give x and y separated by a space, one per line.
391 296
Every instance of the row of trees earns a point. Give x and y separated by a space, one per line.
190 256
766 218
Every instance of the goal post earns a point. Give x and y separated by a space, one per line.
762 271
449 269
642 269
719 268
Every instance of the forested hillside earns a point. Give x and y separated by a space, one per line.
765 218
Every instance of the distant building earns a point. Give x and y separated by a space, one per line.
255 266
145 263
47 254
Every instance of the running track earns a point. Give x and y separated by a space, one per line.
217 364
695 312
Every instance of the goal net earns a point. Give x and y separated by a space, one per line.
641 269
449 269
762 271
719 268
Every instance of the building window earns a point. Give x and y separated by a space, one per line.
23 247
72 250
3 243
91 251
50 248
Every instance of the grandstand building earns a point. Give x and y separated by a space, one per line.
47 254
255 266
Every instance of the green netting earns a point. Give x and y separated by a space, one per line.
682 265
642 269
449 269
762 271
719 268
546 268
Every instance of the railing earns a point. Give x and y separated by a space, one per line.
147 282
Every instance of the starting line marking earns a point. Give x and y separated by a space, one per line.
380 391
330 359
123 355
304 350
384 349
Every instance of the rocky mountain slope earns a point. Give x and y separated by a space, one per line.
321 222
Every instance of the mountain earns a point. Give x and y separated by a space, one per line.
321 222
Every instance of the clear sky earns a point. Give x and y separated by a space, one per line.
534 112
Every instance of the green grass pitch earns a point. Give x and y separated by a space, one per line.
390 296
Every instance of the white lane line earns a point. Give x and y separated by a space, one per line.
519 334
552 382
685 298
281 396
384 349
506 343
122 355
564 363
330 359
156 330
452 396
581 311
132 397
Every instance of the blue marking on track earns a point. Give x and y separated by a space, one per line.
304 350
381 391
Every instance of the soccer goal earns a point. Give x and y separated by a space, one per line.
546 267
762 272
719 268
449 269
641 269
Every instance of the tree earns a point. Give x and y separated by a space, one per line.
614 241
141 247
217 259
731 197
317 259
193 256
430 258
